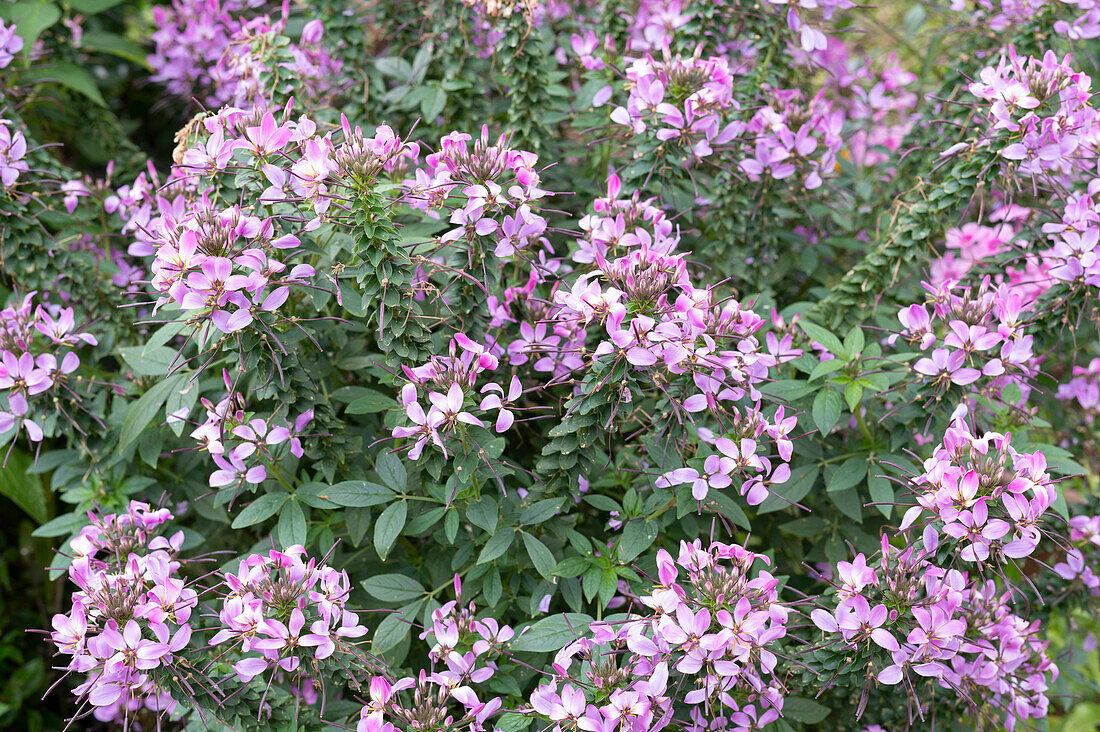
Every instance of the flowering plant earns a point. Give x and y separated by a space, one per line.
549 365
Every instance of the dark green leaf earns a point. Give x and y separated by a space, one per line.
882 493
358 493
70 76
849 474
31 18
483 514
540 511
822 336
25 490
395 627
292 525
262 508
801 709
551 634
391 470
541 557
638 535
826 410
370 403
393 588
141 412
388 528
498 544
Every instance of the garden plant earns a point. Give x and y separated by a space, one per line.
549 365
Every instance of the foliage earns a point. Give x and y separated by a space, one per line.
515 365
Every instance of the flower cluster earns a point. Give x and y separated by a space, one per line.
463 644
213 51
708 640
620 224
243 446
131 615
983 494
1084 555
1072 257
37 356
228 268
790 130
682 99
1044 105
971 334
272 600
1084 388
958 631
736 456
490 189
876 92
446 381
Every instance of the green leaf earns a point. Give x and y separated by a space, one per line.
391 470
358 521
370 403
638 535
807 527
498 544
292 525
609 585
571 567
262 508
31 18
388 528
425 520
794 490
822 336
450 525
310 494
541 557
826 367
147 361
854 342
433 103
493 587
25 490
882 493
115 45
826 410
723 504
849 474
65 524
540 511
357 494
848 503
395 627
140 413
551 634
483 514
69 76
90 7
853 395
603 503
511 722
163 334
787 389
393 588
806 711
